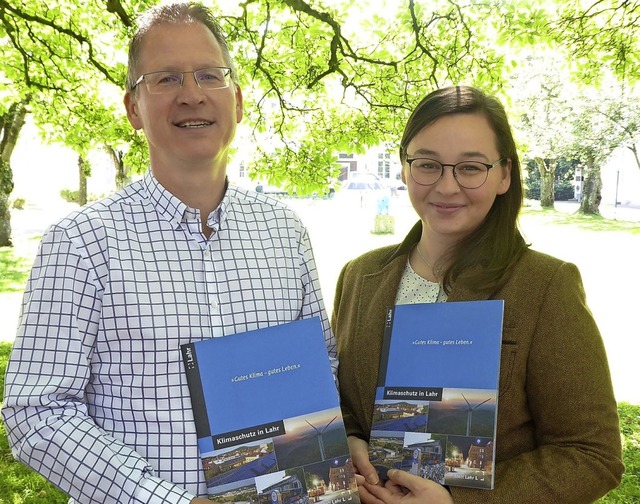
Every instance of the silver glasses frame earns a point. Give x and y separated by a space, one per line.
195 73
453 166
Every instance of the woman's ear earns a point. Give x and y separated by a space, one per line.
505 181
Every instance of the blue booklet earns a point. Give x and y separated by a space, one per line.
436 406
268 419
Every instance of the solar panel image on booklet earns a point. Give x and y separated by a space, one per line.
268 419
436 404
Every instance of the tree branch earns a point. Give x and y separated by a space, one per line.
115 7
81 39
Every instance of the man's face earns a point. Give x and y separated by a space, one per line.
188 127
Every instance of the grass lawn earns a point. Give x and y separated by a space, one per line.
14 269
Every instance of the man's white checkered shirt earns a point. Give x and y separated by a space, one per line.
96 398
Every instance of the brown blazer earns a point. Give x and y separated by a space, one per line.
558 438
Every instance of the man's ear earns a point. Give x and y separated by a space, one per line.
239 110
131 106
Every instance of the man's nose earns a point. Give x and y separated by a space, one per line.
190 89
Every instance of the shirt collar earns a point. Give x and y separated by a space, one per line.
166 204
220 213
177 212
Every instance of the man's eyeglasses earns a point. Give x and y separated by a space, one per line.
468 174
167 82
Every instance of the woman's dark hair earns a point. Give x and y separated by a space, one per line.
483 257
175 13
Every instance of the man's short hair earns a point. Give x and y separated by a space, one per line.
174 13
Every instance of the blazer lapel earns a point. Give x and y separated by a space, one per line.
378 292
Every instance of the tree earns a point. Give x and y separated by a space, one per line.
599 51
563 183
543 98
11 122
623 111
47 54
314 83
597 34
322 84
605 48
84 171
600 127
317 80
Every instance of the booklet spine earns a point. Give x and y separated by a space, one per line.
386 344
194 382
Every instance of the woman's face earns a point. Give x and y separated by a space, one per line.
448 211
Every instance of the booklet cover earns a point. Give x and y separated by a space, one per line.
436 404
268 419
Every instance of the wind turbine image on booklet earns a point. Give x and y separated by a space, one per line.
470 410
318 434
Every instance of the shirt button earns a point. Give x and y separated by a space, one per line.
207 253
214 304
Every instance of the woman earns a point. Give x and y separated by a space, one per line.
558 437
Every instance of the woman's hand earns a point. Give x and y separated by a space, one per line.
365 472
405 488
359 450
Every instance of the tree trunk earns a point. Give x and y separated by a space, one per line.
547 177
11 122
634 149
84 171
123 177
592 190
6 186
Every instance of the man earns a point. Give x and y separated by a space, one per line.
96 396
